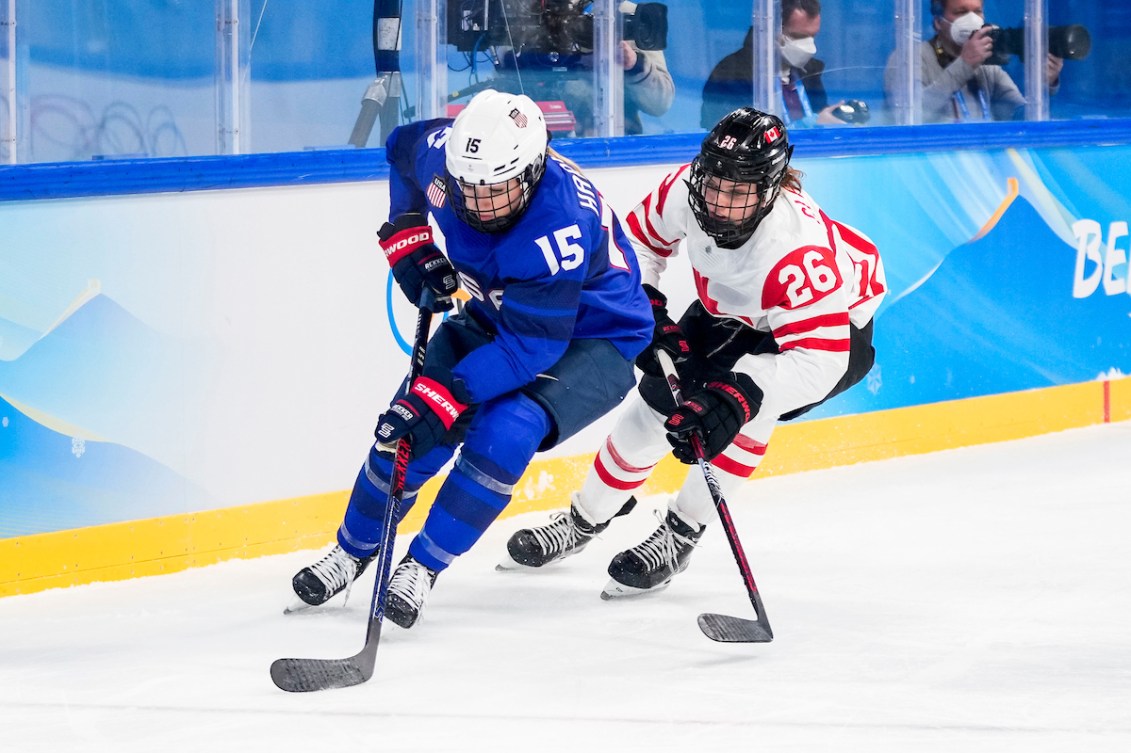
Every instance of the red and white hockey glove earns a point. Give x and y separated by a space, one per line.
417 262
425 414
666 335
716 414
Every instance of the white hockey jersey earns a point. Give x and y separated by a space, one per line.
802 277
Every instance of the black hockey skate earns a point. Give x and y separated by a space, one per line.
567 533
326 578
651 565
408 591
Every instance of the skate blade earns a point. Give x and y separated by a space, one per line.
509 566
617 590
296 605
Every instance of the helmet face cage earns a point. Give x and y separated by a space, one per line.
728 210
495 157
493 207
737 175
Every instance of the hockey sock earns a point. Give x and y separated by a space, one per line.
500 443
360 532
624 461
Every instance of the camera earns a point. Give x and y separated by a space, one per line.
1072 42
852 111
647 26
546 26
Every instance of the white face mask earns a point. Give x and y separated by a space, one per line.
964 26
798 52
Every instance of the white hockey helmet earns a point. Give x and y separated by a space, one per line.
499 140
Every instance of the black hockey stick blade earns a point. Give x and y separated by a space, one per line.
307 675
721 627
726 629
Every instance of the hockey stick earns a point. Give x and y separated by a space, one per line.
304 675
721 627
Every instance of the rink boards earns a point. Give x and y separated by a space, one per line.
190 377
165 545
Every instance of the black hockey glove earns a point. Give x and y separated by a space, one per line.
417 262
425 414
666 335
716 414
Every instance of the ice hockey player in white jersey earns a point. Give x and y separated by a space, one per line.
782 322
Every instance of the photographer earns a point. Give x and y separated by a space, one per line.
958 83
558 65
731 85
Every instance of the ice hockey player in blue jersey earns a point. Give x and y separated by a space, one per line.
544 348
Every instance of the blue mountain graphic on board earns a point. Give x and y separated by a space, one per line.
102 371
14 339
51 482
105 390
998 316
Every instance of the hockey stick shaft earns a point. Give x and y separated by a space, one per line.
397 482
723 509
304 675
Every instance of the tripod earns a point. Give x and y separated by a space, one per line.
382 98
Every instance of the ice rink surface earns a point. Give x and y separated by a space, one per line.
969 600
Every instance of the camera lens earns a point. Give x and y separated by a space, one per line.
1070 42
853 111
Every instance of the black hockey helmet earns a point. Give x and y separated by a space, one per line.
746 147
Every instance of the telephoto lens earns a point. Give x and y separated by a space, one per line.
1072 42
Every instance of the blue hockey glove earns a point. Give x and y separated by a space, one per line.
417 262
666 335
425 414
716 414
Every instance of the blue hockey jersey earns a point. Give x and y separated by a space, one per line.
563 271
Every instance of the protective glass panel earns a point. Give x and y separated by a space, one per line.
595 68
138 78
1093 37
115 79
1086 77
824 62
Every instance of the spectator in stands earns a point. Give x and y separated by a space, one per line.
731 85
958 82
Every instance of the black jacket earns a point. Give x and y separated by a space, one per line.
730 84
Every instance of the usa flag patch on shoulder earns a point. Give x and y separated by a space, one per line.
436 193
